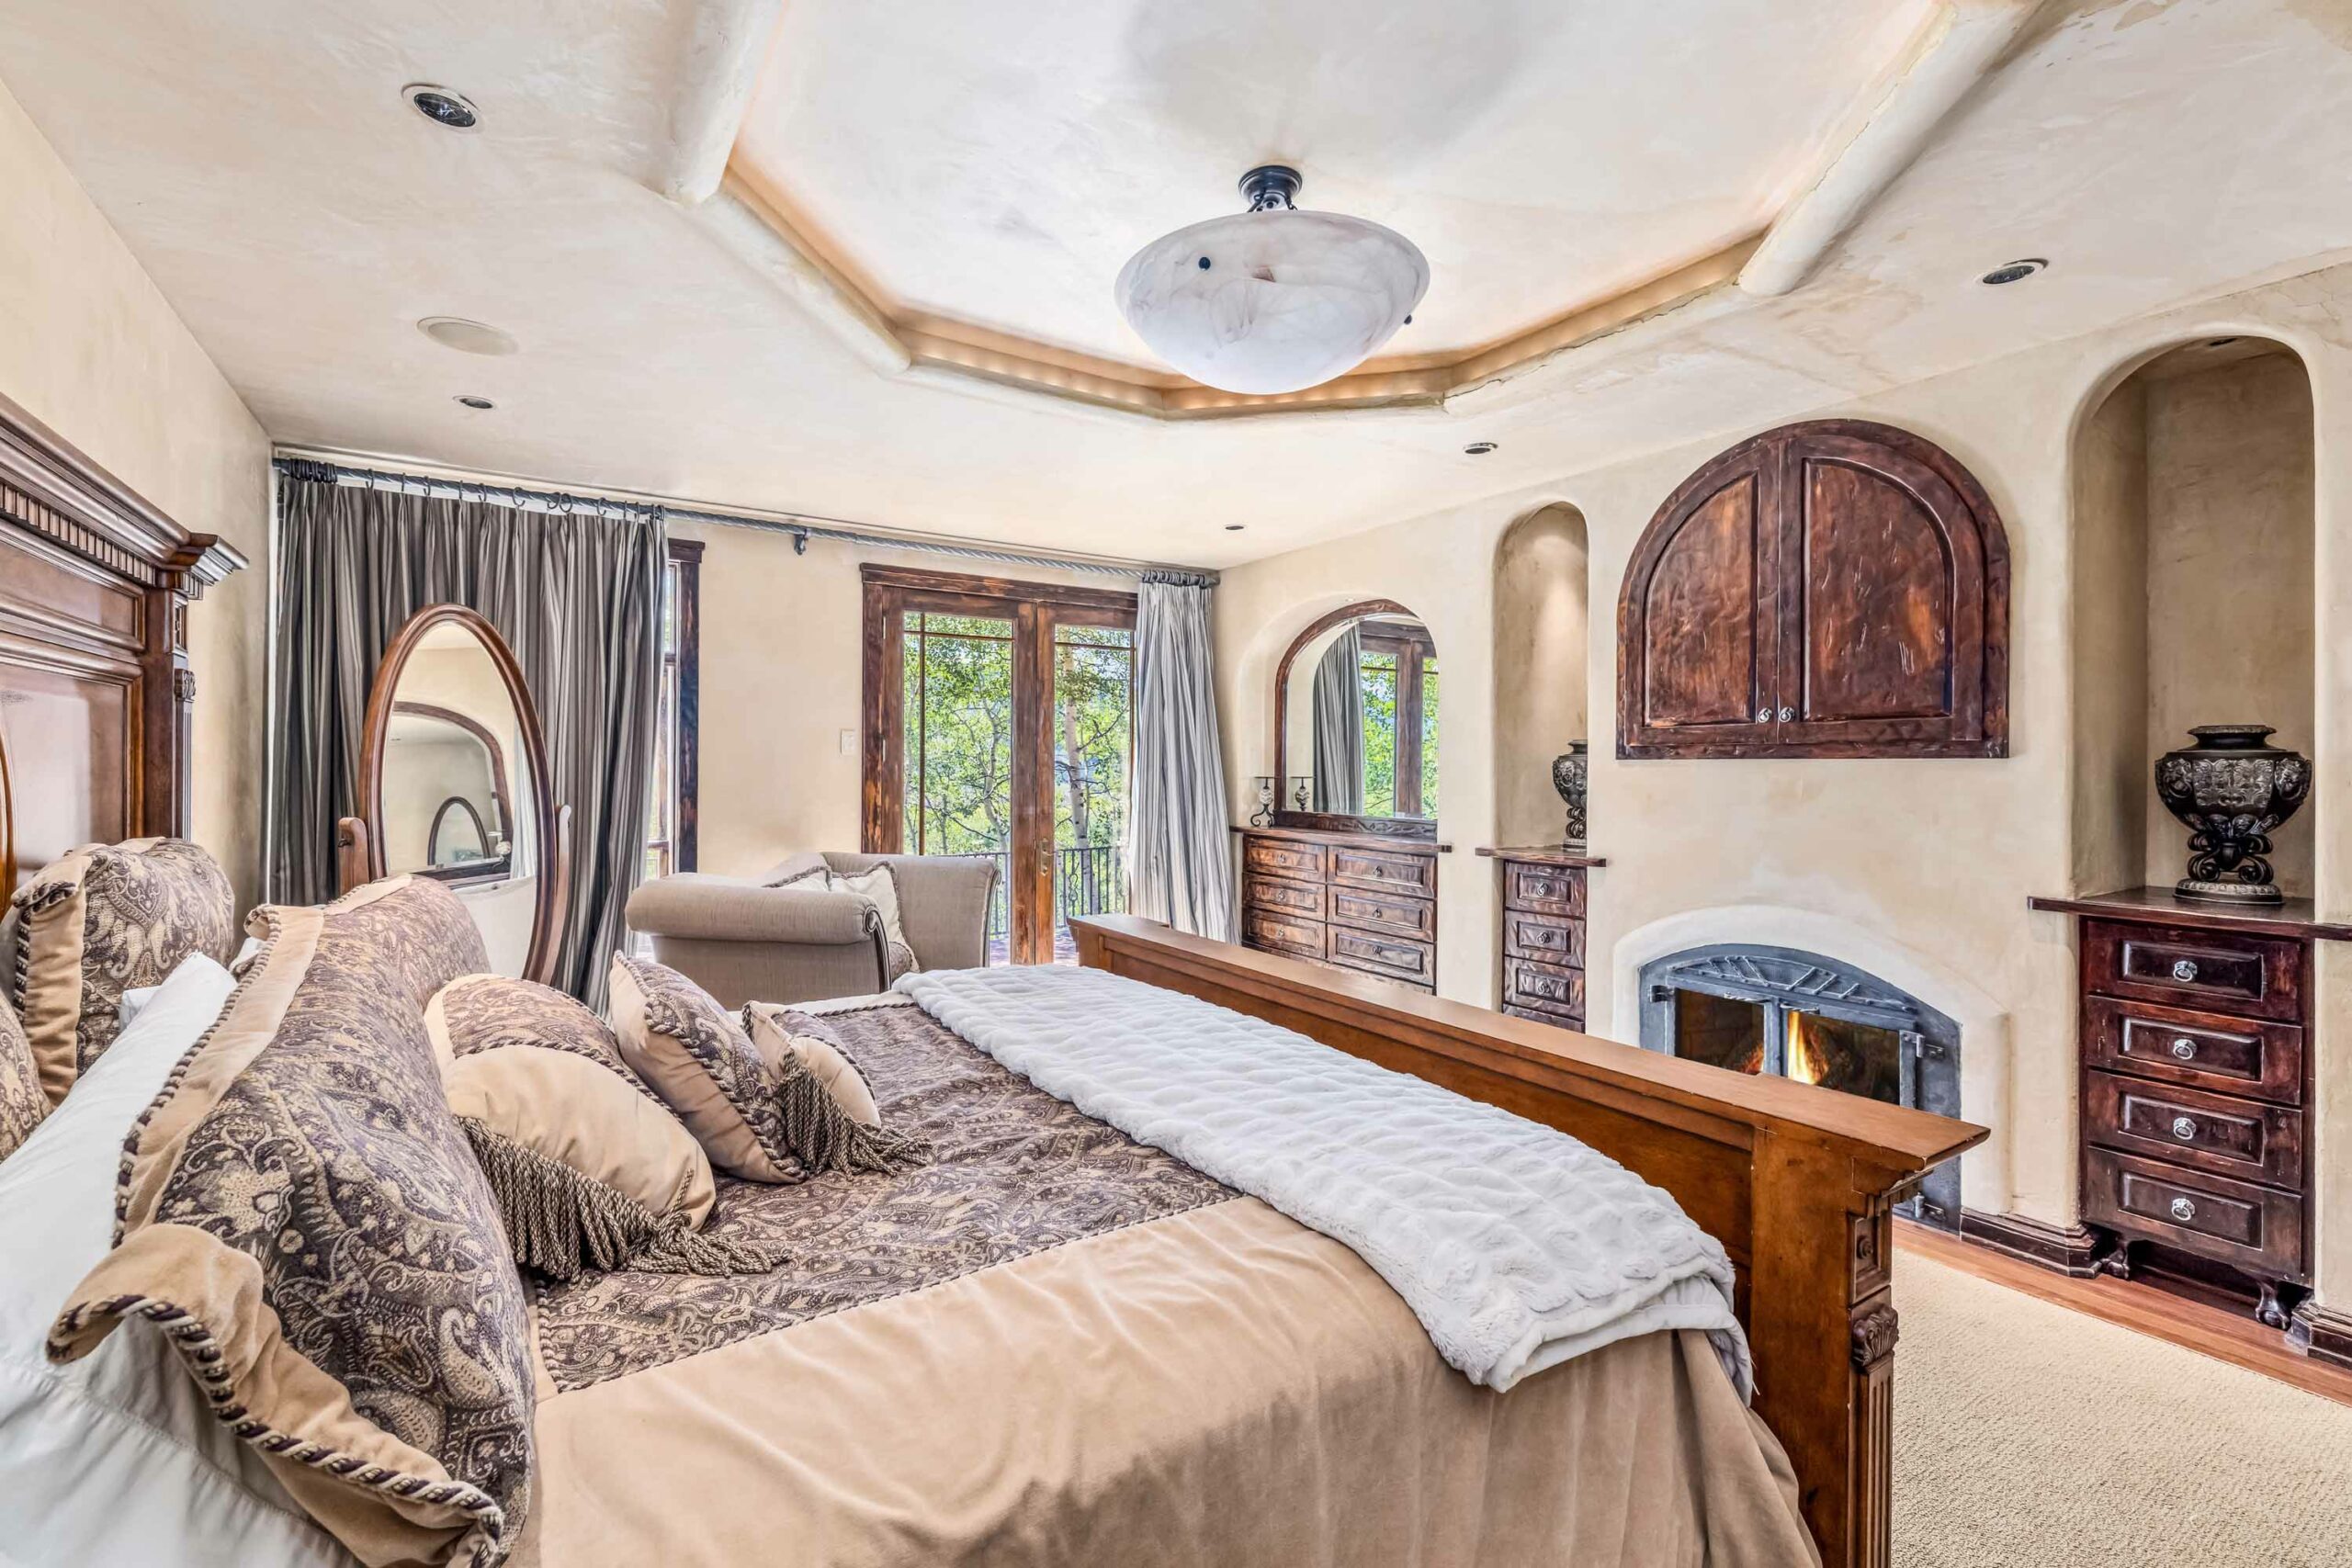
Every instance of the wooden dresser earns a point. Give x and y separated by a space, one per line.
2196 1084
1353 900
1542 932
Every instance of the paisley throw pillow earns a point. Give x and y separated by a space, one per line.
101 921
23 1105
677 1038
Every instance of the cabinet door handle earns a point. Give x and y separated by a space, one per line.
2182 1208
2184 1128
1787 713
1763 715
2184 970
2184 1047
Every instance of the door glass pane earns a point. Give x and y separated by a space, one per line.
958 746
1719 1031
1859 1059
1379 733
1093 672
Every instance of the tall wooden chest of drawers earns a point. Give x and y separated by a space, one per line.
1354 901
2195 1084
1543 932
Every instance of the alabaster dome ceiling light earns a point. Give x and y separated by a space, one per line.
1273 299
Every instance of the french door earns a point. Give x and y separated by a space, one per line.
998 723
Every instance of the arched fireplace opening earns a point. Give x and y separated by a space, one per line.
1751 1008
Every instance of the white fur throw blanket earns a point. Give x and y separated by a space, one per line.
1517 1246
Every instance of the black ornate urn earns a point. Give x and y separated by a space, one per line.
1568 778
2232 788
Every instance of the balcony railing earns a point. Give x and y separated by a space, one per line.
1089 879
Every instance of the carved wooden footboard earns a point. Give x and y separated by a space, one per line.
1798 1183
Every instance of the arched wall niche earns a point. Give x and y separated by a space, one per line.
2193 538
1543 665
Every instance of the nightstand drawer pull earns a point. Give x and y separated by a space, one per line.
2184 970
2184 1128
2184 1047
2183 1210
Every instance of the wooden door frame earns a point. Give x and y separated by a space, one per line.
1033 609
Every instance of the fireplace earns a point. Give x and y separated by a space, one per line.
1773 1009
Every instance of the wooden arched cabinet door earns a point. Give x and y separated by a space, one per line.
1830 589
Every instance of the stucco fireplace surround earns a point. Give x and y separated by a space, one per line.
1759 1009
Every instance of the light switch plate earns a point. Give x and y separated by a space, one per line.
849 742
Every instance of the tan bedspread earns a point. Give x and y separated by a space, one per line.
1208 1384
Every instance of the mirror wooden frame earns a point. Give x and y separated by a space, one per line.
361 841
1415 828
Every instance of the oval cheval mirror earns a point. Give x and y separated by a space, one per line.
453 780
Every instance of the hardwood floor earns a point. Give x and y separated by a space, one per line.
2227 1336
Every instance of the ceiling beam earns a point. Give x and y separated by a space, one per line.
726 50
1952 51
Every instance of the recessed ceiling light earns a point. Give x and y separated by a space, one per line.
467 338
2011 272
450 111
1479 448
473 402
1235 527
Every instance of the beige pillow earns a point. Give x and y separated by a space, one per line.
535 1067
23 1105
677 1038
101 921
831 1119
782 1034
881 888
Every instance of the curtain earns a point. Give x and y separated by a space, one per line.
1338 725
1180 866
576 596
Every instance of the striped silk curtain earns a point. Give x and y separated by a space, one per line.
1338 725
1180 866
577 596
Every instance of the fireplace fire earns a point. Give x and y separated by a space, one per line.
1768 1009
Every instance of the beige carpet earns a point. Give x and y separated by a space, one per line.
2028 1436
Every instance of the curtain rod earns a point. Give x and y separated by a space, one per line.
800 527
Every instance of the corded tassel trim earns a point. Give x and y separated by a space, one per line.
561 1221
821 1133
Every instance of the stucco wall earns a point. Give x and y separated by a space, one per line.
1923 866
2229 478
782 676
89 347
1543 635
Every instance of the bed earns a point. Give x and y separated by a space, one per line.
1059 1343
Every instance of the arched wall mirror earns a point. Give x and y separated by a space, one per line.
1356 723
454 784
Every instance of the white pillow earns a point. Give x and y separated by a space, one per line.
117 1459
880 888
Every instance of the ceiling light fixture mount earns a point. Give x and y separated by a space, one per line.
1274 299
2016 271
1479 448
452 111
471 401
468 337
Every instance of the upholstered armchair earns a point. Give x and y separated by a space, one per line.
743 939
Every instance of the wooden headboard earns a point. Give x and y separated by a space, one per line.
94 686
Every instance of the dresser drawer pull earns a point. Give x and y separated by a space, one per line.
2183 1210
2184 1128
2184 970
2184 1047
